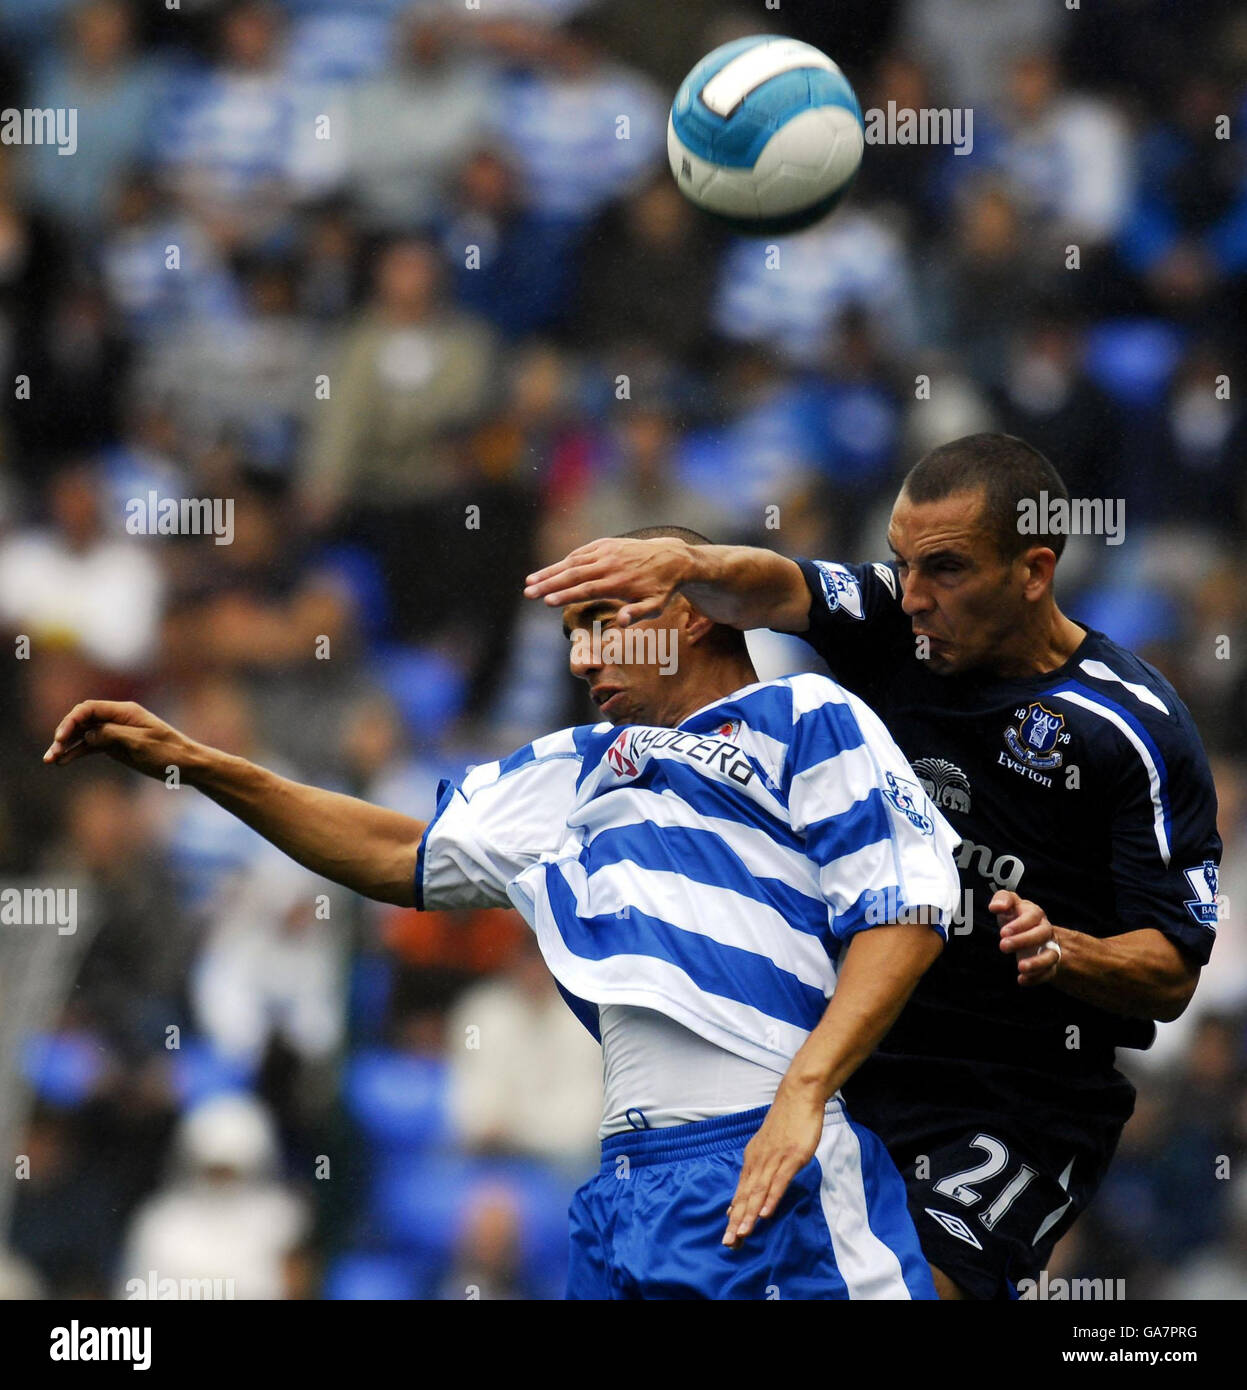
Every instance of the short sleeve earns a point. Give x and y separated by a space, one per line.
856 623
1165 846
501 818
882 848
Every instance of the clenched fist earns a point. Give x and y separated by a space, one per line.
1026 932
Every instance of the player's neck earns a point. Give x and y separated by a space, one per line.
1045 647
717 680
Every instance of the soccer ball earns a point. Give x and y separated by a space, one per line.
766 134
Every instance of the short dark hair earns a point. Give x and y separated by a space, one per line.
658 533
730 638
1007 470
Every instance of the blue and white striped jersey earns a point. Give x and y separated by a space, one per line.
711 872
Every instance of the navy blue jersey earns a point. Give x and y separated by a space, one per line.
1085 789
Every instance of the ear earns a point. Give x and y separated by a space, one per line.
1040 565
695 624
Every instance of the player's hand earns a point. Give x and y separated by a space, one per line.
1026 932
646 575
124 731
785 1143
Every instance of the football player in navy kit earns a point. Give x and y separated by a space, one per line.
1089 855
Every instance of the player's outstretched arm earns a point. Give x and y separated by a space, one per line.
366 848
877 975
739 585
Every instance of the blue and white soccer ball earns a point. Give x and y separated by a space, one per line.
765 133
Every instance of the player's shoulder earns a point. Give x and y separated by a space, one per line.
796 697
810 690
571 745
833 717
1112 689
774 708
854 591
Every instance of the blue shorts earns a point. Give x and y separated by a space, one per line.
650 1224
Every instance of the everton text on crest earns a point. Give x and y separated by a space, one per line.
1035 742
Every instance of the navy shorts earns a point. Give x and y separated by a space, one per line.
996 1172
650 1224
990 1205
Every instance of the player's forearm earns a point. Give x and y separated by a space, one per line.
747 587
1140 974
368 849
878 974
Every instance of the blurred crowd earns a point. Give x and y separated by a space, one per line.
411 284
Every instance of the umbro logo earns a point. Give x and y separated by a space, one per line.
954 1225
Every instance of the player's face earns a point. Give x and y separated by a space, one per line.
628 671
959 593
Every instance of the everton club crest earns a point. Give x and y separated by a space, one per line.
1034 738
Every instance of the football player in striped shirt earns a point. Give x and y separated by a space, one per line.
1089 854
736 886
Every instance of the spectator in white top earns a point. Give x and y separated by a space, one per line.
81 580
1066 154
273 965
790 299
581 128
223 1216
229 134
525 1075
